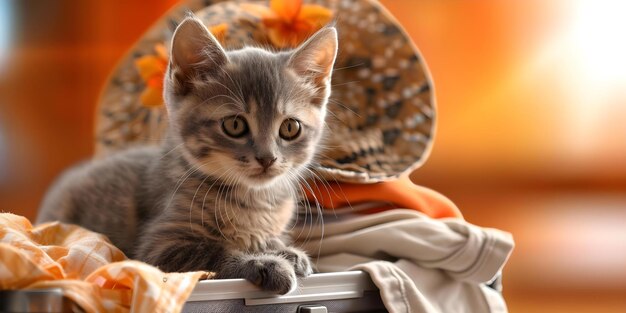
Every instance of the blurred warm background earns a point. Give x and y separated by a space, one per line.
531 134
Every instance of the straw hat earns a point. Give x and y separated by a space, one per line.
381 113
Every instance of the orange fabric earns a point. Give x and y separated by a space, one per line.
398 193
87 267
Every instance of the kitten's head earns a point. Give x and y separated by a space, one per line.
248 116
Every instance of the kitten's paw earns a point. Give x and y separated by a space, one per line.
271 272
299 260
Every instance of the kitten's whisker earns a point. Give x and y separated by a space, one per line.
328 187
321 215
335 192
171 150
217 210
228 191
307 207
204 201
229 198
343 106
238 85
348 67
339 120
235 191
306 214
320 218
205 194
322 230
302 184
235 102
324 184
293 193
193 201
218 201
218 205
193 168
239 101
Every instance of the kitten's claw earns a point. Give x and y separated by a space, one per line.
298 258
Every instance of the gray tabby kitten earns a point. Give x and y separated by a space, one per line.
219 193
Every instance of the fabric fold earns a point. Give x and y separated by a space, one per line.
441 257
464 251
87 268
398 291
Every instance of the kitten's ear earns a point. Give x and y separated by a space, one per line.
316 56
194 50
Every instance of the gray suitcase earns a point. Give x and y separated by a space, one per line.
351 291
320 293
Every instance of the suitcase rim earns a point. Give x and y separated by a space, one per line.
323 286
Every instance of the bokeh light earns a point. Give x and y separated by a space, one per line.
586 57
5 31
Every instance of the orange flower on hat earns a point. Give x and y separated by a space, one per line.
152 69
219 31
289 22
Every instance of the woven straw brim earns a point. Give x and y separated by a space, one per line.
381 113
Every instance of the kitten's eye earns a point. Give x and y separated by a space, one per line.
289 129
235 126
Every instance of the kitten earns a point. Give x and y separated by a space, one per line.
219 193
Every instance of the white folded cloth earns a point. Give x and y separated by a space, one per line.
419 264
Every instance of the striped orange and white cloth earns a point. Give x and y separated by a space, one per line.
92 272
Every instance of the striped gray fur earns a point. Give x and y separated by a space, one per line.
204 199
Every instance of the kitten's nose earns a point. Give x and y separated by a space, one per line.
266 162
